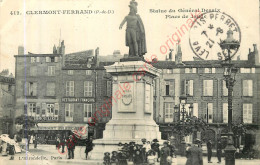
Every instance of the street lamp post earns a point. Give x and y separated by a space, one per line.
229 75
182 113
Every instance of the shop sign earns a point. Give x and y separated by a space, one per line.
78 100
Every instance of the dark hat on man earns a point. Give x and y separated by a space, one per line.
166 142
114 152
143 140
107 153
155 140
119 144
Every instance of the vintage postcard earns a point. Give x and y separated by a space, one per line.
140 82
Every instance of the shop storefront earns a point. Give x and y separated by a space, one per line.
48 132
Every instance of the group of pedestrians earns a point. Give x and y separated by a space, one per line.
69 142
219 150
142 153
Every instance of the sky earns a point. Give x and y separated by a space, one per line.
39 32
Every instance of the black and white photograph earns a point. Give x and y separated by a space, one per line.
129 82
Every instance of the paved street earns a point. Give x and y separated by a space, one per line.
48 155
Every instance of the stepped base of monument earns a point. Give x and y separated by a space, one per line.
124 131
132 58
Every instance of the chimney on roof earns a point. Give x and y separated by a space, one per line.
62 48
253 57
178 55
170 55
97 56
20 50
54 49
256 55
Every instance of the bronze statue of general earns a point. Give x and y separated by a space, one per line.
135 34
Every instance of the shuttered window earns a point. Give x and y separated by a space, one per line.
88 88
169 88
69 88
87 112
247 113
195 110
189 87
51 70
169 109
247 87
210 112
56 109
207 87
225 112
31 89
69 112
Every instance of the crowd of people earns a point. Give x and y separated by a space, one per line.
144 153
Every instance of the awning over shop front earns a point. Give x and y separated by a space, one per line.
60 126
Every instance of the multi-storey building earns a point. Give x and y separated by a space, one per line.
68 90
84 90
204 85
37 91
7 85
62 91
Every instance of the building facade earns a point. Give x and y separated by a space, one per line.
204 85
65 91
62 91
7 89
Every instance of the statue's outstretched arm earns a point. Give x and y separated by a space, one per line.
122 23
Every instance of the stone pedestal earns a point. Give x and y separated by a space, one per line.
230 151
132 107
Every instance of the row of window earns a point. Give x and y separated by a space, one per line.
208 116
187 87
71 72
207 70
32 89
44 109
69 112
69 89
51 71
52 110
88 88
47 59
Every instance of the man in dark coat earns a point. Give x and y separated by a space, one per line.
131 150
138 159
62 144
89 146
71 147
155 147
195 157
165 152
143 151
219 151
209 148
